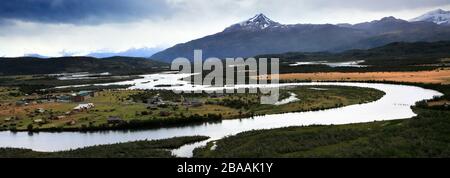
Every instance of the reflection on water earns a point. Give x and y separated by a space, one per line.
394 105
332 64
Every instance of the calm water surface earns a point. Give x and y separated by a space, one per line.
394 105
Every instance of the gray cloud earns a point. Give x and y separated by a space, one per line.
92 12
379 5
81 27
82 11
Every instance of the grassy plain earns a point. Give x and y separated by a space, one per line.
434 76
121 104
426 135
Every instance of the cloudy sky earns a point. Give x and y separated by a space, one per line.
79 27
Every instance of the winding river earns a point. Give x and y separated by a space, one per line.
394 105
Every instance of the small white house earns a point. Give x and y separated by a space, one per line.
82 107
40 110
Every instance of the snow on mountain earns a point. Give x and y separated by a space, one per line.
258 22
260 35
35 55
133 52
438 16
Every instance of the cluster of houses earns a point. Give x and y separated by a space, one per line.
61 98
153 103
157 101
79 108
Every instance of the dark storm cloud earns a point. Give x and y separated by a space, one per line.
93 12
380 5
82 11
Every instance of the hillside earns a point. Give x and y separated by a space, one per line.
260 35
114 65
393 54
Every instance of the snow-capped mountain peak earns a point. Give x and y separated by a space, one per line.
258 22
438 16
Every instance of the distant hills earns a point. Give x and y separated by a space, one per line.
261 35
114 65
397 54
394 54
133 52
143 52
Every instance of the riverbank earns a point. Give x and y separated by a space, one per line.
172 110
136 149
394 105
425 135
433 76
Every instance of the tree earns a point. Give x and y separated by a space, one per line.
30 127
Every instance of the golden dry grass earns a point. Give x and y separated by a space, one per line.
438 103
22 110
435 76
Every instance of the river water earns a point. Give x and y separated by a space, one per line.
394 105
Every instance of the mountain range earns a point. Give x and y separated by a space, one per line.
144 52
261 35
133 52
113 65
438 16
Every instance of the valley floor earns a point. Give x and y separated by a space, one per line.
434 76
426 135
134 109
